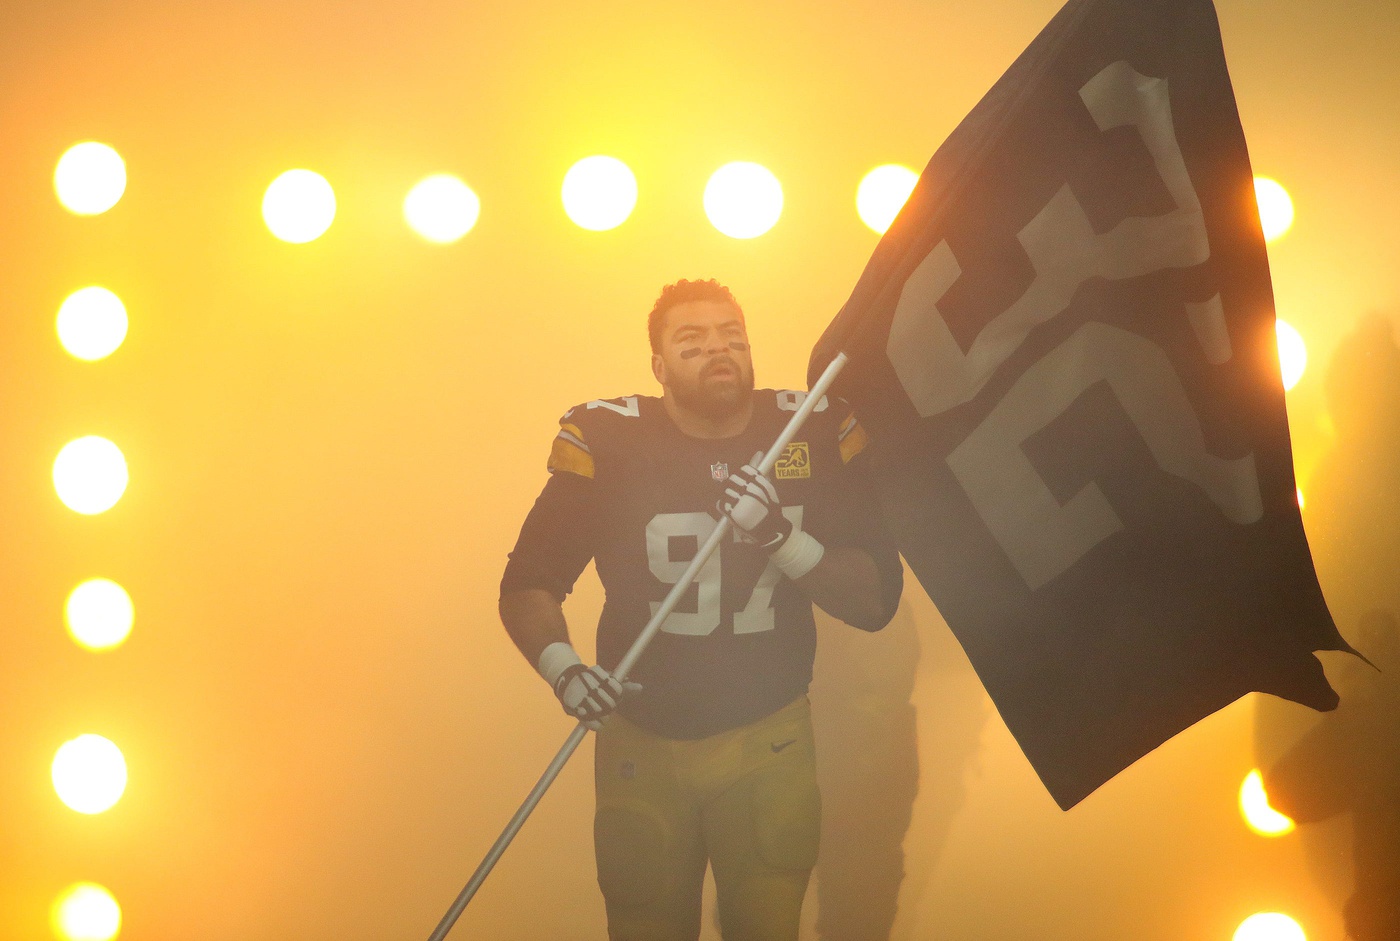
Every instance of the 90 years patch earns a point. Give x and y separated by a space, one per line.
796 461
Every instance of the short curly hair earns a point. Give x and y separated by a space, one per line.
683 292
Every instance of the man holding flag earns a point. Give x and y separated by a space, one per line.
1064 353
709 759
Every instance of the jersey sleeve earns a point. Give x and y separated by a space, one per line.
555 542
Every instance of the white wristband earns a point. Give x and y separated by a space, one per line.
799 555
554 660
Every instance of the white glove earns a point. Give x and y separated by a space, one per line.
751 502
588 694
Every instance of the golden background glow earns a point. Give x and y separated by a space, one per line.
86 911
333 445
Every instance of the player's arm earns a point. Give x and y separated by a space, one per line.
534 619
551 552
846 584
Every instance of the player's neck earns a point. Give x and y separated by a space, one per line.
701 425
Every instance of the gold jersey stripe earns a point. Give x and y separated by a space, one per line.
573 430
567 456
854 441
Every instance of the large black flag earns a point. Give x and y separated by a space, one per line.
1064 348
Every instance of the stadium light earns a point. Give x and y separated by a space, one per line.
89 179
599 193
882 194
90 475
91 323
1275 207
299 206
89 774
99 614
1254 807
441 208
743 200
85 911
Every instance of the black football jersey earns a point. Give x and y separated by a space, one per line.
632 492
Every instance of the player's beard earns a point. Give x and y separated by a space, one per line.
716 399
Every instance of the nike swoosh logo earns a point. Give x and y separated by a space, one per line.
779 746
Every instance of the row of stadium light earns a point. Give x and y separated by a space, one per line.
89 772
742 200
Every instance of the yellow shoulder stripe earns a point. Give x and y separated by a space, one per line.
567 456
853 439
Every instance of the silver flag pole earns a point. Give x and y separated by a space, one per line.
673 597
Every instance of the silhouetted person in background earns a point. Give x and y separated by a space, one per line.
1346 762
1353 498
899 715
868 769
1350 762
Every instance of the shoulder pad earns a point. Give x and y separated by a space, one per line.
626 406
851 436
571 450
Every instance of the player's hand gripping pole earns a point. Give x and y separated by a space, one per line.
638 646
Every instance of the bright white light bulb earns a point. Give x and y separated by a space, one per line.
99 614
90 178
86 911
599 193
91 323
299 206
441 208
1254 803
90 475
1292 354
883 193
89 774
743 200
1269 926
1275 207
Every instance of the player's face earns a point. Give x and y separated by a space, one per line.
704 362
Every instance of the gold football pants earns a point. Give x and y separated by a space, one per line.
744 801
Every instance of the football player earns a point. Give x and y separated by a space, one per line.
706 755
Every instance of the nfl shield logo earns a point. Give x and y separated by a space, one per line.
719 472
